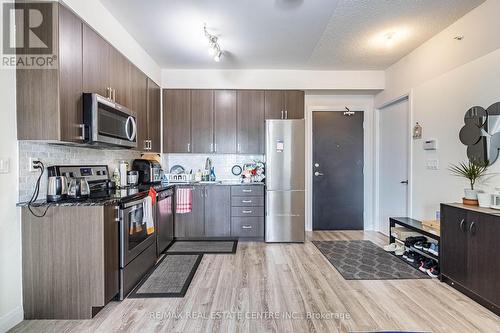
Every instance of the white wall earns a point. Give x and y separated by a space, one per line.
273 79
10 235
98 17
439 106
444 78
335 101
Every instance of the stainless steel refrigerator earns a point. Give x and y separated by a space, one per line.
285 180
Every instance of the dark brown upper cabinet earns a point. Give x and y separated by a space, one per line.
275 104
250 133
177 120
49 101
225 121
105 70
294 104
284 104
202 121
96 61
138 104
120 78
154 116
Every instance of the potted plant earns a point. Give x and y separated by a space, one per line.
472 171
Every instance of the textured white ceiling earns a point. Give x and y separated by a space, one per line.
285 34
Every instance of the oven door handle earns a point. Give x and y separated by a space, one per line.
133 203
131 136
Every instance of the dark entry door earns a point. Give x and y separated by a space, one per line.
337 171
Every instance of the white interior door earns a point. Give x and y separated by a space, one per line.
393 172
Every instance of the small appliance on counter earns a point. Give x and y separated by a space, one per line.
78 188
149 171
57 188
133 178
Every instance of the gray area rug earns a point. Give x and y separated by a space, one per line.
208 247
170 277
363 260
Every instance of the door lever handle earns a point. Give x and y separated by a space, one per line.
317 174
404 182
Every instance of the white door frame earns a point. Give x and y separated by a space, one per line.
368 152
409 96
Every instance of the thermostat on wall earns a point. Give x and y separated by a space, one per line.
430 145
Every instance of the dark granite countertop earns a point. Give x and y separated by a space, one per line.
220 183
116 196
103 198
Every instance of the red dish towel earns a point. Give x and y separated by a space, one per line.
184 198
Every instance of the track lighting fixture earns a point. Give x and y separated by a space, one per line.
214 49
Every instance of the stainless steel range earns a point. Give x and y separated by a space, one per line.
138 250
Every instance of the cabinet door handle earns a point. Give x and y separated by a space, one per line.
189 147
239 148
211 147
247 212
286 114
247 191
472 228
282 114
215 147
462 225
246 201
246 227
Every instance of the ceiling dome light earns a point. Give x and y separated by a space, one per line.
390 39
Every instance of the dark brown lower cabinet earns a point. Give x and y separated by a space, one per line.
70 261
217 211
210 216
192 224
469 250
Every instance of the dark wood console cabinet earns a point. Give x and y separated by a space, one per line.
470 243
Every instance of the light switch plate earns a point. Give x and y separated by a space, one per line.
432 164
4 165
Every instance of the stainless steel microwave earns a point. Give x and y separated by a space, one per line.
107 123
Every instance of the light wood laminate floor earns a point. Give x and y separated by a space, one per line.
253 289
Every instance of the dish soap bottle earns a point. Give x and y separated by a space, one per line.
212 174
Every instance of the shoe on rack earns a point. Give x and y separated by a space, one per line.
426 246
391 247
405 254
412 257
410 241
433 271
426 265
418 245
434 249
400 250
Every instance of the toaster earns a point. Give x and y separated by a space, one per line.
149 171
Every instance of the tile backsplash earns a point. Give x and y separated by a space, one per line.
51 154
223 163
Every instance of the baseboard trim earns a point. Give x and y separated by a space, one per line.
11 319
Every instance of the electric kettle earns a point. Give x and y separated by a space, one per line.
57 188
78 188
